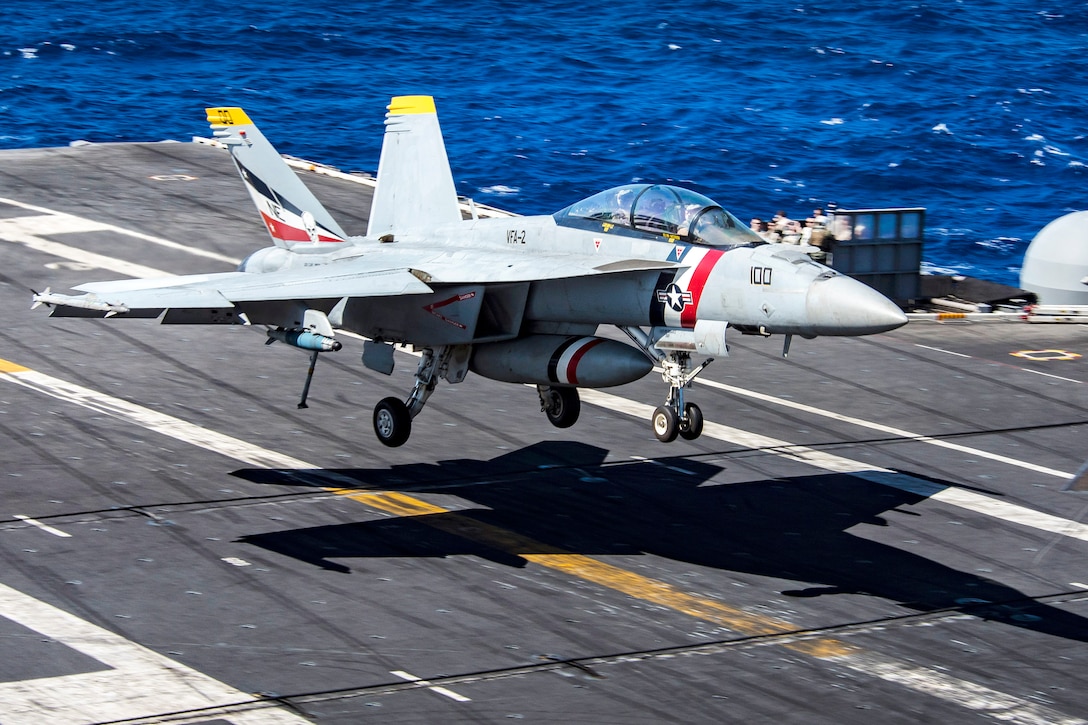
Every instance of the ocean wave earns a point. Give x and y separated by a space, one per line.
893 104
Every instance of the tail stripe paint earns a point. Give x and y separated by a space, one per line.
289 210
278 226
696 284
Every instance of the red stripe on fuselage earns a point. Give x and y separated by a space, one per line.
288 233
698 280
572 366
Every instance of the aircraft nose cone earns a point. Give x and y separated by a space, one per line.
841 305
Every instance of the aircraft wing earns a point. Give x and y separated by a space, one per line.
228 289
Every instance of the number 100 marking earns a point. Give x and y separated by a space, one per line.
761 275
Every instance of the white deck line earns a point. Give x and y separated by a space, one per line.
941 685
899 432
71 223
43 527
959 497
920 679
445 692
134 682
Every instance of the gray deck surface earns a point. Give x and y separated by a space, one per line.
880 535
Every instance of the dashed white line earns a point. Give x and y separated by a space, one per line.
1056 377
43 527
664 465
433 688
946 352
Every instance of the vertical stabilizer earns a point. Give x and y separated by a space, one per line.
288 209
415 184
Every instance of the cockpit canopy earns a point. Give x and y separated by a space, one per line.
669 211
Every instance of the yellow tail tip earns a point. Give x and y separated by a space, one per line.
403 105
227 116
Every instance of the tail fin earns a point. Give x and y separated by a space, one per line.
415 184
290 211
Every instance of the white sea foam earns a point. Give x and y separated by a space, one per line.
941 128
500 190
67 46
29 52
833 121
1001 244
930 268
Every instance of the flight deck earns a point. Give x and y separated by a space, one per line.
877 529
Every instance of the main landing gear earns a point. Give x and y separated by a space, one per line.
675 417
561 405
392 417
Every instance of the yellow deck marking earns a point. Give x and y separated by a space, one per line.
10 367
1046 355
591 570
941 685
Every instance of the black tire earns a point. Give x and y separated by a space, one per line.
563 406
692 425
392 422
666 423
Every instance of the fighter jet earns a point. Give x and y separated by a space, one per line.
516 299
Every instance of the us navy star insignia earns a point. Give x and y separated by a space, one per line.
674 297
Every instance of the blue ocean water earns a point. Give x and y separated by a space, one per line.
974 109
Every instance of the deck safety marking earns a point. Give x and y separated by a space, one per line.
433 688
1049 375
25 230
937 349
885 428
962 498
134 684
58 222
1045 355
918 678
43 527
923 679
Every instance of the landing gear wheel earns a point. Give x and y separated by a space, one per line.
561 405
392 422
691 427
666 423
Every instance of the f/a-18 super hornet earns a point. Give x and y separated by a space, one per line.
516 299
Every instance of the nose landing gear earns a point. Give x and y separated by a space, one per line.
675 417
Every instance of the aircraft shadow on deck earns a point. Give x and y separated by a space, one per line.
560 497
